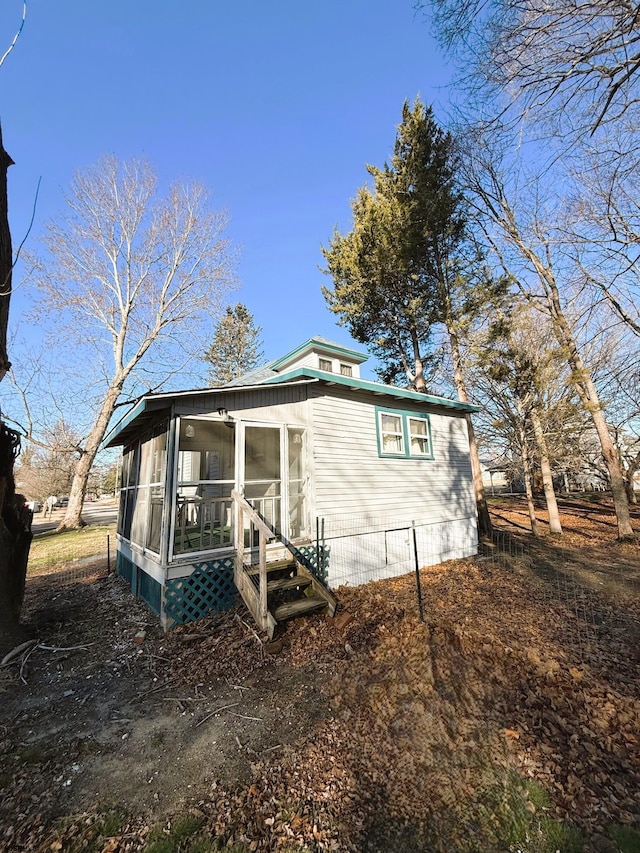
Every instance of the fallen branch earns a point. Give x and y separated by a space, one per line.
217 711
249 628
64 648
25 658
10 657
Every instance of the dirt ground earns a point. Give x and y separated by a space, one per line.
512 713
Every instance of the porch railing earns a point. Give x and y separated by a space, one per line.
203 524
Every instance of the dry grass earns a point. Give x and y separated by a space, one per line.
52 551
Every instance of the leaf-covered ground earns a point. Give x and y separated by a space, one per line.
508 720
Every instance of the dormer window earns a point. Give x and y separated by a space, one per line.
325 364
346 370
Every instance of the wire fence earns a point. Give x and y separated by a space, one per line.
71 560
598 598
363 549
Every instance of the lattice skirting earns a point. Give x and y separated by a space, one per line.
315 559
209 588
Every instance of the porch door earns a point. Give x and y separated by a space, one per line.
263 471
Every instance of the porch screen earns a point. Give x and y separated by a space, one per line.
142 489
206 476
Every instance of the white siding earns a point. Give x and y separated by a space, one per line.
273 405
357 492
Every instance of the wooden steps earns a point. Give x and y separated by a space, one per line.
292 591
273 566
275 590
299 607
296 582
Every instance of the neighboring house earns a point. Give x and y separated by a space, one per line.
494 475
320 454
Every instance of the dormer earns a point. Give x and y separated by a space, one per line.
321 354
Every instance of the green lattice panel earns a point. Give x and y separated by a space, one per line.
308 556
207 589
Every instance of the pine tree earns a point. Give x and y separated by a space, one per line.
398 273
236 348
389 270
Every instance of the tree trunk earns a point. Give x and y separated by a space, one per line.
589 397
418 365
526 467
15 520
73 517
547 480
580 373
485 527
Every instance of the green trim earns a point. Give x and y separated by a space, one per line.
374 387
315 344
406 434
131 415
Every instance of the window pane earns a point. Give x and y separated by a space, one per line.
159 456
346 370
325 364
391 423
419 437
206 476
145 456
140 516
155 519
297 506
121 511
197 439
131 495
262 453
392 438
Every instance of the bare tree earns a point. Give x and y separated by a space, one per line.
573 63
129 276
520 375
48 468
525 247
602 223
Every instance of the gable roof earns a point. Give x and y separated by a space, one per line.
321 345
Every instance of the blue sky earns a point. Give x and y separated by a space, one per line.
276 107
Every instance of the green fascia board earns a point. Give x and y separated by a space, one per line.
374 387
319 344
124 422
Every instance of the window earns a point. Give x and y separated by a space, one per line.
325 364
419 437
404 435
346 370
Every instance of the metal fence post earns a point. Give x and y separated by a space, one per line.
415 555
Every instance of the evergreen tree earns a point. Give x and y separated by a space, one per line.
389 270
398 273
236 348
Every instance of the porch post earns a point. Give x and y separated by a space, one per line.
263 579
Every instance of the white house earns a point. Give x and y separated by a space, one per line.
301 459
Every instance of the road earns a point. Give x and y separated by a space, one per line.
92 513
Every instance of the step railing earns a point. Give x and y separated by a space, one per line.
255 601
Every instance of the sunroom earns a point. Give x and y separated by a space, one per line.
187 473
